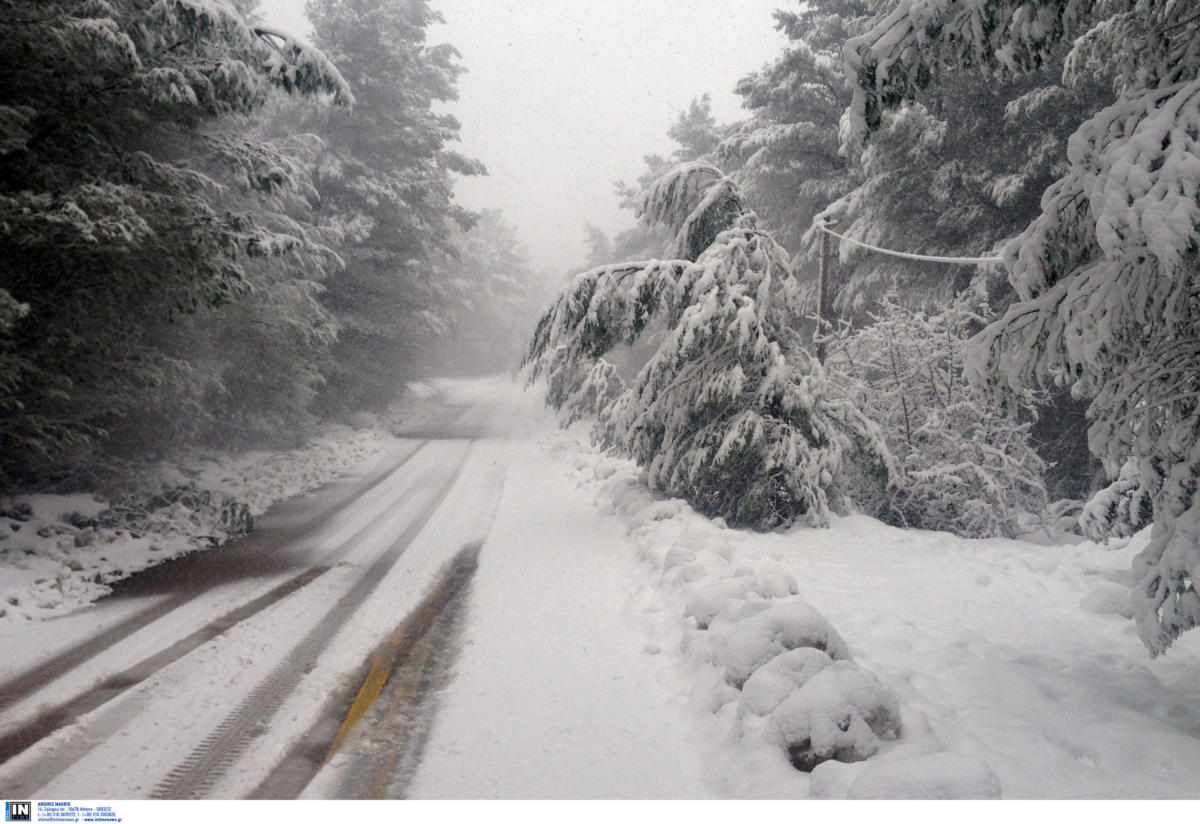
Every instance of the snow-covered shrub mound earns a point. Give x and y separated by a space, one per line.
783 626
793 680
708 599
769 685
1120 509
843 712
778 665
939 776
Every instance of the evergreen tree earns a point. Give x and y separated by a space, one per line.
495 297
785 154
129 195
729 412
1120 509
696 131
386 180
1106 274
941 168
962 169
697 135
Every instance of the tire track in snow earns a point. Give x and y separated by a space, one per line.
23 685
55 718
405 671
50 719
400 670
407 720
220 749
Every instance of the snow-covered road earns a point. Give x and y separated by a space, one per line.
199 678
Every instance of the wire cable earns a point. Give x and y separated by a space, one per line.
971 261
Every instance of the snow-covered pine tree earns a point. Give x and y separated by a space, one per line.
961 168
967 465
127 196
1107 273
696 134
495 297
785 154
387 178
730 412
955 163
1121 508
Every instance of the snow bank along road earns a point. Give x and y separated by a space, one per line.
307 659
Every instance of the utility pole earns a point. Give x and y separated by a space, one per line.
823 325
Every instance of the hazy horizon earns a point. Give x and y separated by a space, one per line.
555 101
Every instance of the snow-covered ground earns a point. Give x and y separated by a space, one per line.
619 645
52 562
558 693
1016 670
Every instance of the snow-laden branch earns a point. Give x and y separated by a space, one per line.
728 412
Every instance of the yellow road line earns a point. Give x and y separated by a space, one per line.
409 634
371 688
401 697
378 677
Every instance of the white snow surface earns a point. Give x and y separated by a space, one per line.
558 693
584 670
1013 664
50 567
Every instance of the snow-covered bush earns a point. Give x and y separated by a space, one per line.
1106 274
1121 508
730 412
771 684
966 465
841 713
760 636
796 683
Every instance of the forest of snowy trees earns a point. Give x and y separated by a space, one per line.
213 234
1058 137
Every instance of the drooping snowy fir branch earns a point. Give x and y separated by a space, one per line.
729 412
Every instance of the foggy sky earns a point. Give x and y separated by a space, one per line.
564 97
